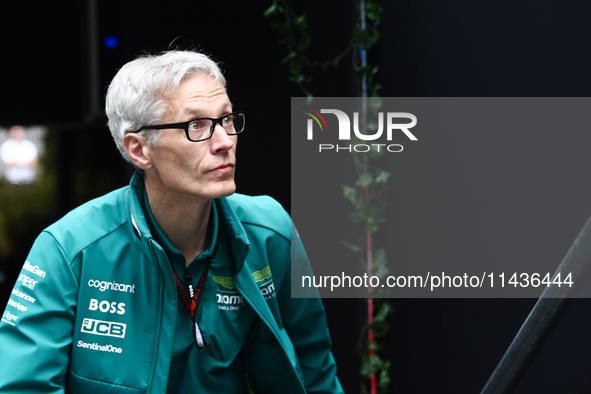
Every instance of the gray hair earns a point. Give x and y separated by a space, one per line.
138 94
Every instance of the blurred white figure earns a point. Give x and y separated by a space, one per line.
20 157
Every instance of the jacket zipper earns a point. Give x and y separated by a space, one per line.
159 327
269 326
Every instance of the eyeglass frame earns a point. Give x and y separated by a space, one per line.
185 126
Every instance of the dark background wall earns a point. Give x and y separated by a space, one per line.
490 48
452 48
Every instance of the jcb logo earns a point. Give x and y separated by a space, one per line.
106 328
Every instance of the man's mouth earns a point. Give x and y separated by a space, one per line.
224 168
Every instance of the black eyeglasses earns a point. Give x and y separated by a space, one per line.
198 129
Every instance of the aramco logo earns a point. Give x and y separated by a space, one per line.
344 132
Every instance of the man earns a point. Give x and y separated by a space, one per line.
173 284
19 156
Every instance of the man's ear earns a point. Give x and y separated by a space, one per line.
138 150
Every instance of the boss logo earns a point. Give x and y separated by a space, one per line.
106 328
106 306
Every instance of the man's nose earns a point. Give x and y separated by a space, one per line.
221 139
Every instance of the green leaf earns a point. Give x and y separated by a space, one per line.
365 39
384 378
372 127
375 90
375 346
270 11
363 69
379 328
375 103
380 271
373 11
380 268
382 176
301 21
353 247
371 227
291 55
383 312
371 365
364 180
379 257
350 193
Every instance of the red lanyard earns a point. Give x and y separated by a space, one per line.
191 300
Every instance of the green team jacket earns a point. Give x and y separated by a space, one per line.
50 342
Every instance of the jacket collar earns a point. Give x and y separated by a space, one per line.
136 195
226 217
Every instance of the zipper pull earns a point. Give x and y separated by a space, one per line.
200 339
208 345
198 336
189 282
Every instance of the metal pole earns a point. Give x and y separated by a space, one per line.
93 61
546 313
363 51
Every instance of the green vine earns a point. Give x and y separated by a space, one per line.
368 197
368 194
296 36
377 365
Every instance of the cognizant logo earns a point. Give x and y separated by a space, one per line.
386 122
103 285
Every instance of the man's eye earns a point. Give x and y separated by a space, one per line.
195 126
227 120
